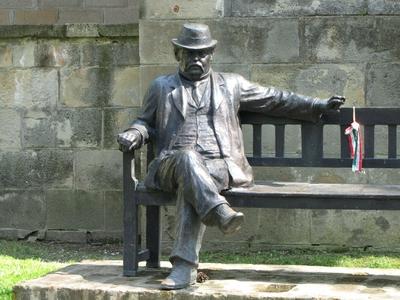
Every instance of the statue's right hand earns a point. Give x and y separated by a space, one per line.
129 140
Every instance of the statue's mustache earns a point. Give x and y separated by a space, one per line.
191 65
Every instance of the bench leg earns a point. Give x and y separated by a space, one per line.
153 235
131 245
131 242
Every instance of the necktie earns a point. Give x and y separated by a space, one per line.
196 93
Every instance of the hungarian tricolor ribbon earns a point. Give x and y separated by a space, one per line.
353 133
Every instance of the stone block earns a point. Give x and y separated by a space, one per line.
68 15
383 84
242 8
22 210
243 70
383 7
24 54
60 3
56 53
354 228
29 89
149 73
39 130
14 234
319 80
284 226
16 4
36 17
79 128
36 169
116 121
157 48
75 209
106 53
113 216
384 176
67 236
239 40
5 16
181 9
82 30
339 39
126 87
6 56
106 3
388 43
117 30
121 15
271 40
98 170
273 174
106 237
264 226
10 133
85 87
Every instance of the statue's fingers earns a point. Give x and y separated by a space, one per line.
340 98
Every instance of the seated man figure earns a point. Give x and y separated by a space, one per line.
192 116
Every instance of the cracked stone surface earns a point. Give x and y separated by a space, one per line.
104 280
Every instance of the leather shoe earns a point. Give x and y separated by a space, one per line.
182 275
228 220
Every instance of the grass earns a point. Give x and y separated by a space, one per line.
342 258
20 260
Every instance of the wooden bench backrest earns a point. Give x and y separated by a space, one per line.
312 138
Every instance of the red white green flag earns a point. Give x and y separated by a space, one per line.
353 133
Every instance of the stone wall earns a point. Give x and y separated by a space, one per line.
318 48
39 12
66 90
65 93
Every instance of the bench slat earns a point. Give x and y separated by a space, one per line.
279 140
392 141
311 143
344 144
257 134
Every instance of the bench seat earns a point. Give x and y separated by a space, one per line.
296 195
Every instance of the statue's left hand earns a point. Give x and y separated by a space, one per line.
335 102
332 103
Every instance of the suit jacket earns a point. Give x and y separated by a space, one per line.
165 106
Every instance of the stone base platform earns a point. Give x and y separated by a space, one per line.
103 280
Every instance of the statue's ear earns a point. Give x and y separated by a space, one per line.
177 53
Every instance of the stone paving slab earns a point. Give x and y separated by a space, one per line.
103 280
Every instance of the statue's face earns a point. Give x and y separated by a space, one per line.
194 64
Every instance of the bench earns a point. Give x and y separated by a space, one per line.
275 194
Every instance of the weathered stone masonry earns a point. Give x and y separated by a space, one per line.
66 90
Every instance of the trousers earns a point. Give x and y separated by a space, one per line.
197 182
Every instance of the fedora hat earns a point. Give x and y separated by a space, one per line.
194 36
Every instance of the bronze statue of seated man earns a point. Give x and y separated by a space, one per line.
192 115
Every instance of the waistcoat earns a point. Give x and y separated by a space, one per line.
197 132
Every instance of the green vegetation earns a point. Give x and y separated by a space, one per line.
20 260
342 258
